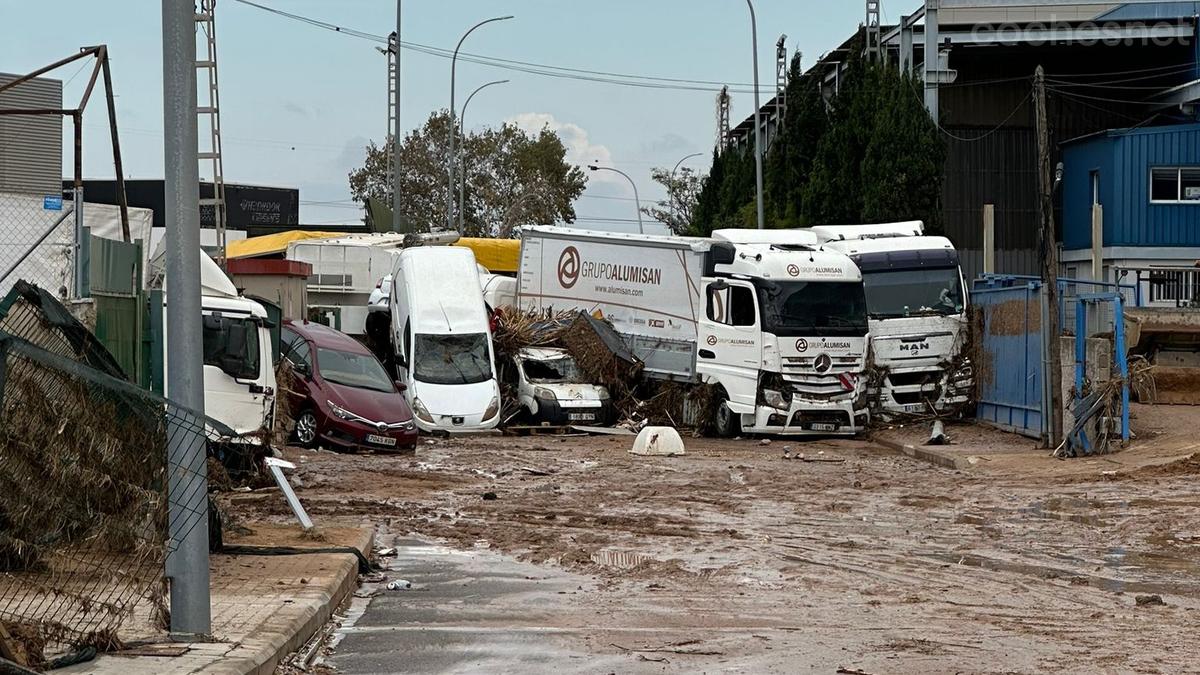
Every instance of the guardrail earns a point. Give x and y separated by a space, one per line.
1165 286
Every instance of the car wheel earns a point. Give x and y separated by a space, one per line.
728 423
305 431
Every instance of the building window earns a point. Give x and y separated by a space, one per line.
1175 185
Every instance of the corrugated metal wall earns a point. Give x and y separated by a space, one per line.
31 147
1134 221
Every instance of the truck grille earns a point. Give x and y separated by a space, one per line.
799 372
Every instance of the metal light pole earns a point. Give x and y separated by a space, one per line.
758 158
462 173
187 480
694 154
450 153
397 221
636 198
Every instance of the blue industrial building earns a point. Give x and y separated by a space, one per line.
1146 182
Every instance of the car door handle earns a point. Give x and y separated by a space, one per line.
705 354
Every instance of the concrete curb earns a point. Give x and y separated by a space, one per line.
940 458
283 635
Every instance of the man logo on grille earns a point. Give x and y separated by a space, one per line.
801 345
794 270
568 267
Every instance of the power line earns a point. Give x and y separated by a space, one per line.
546 70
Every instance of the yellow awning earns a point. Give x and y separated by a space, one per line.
498 255
272 244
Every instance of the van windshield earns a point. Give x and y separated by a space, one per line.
813 308
452 359
892 294
353 370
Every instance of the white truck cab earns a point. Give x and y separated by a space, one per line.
917 305
441 333
779 330
239 363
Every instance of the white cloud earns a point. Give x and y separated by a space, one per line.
580 149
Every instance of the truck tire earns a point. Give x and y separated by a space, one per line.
728 424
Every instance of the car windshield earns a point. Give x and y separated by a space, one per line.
560 370
452 359
353 370
893 294
813 308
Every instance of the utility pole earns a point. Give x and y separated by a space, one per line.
758 126
397 138
187 483
1053 328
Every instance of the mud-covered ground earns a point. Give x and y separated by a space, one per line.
851 558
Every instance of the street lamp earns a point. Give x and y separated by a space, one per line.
637 200
462 177
672 188
450 154
758 159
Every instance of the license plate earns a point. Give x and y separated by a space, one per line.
381 440
581 417
827 428
914 408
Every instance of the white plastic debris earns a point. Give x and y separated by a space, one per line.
658 441
399 585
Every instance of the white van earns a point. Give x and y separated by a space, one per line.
442 335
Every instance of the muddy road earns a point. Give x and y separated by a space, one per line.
735 558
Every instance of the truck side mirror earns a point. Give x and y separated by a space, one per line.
401 386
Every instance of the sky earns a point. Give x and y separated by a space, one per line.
299 103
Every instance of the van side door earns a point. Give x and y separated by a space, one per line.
731 338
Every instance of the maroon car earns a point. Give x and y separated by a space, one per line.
343 396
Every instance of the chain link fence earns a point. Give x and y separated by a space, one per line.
85 488
39 234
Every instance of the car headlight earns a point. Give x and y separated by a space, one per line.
407 426
493 409
542 392
421 411
604 395
341 412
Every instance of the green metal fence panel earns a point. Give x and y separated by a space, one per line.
115 281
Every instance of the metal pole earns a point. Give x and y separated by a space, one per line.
118 166
758 128
462 153
187 560
636 198
397 222
80 273
451 123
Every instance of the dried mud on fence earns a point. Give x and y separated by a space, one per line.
84 486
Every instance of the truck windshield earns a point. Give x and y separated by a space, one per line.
804 308
892 294
452 359
353 370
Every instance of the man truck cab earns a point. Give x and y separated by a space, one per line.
239 363
917 304
442 337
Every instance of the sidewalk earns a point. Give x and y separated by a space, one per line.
263 608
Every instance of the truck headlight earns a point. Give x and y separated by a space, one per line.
493 409
422 412
775 399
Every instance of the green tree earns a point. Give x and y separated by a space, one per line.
512 178
790 160
678 210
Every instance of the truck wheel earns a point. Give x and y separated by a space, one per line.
305 431
728 423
